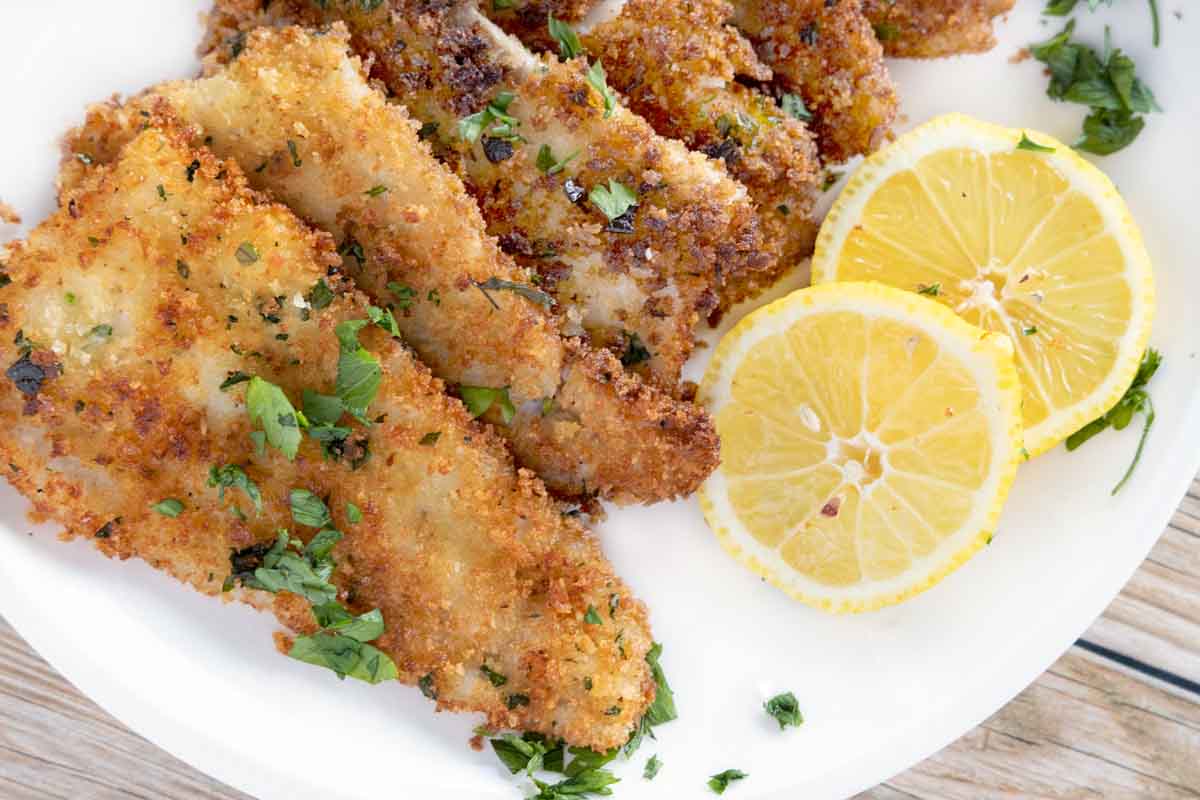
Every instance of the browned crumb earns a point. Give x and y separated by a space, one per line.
934 28
8 214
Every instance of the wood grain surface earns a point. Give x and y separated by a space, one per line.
1118 716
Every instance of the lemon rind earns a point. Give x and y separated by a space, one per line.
976 349
937 134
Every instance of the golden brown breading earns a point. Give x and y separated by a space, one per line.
828 54
934 28
298 115
652 273
179 276
688 90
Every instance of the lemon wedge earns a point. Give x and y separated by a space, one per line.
1017 234
868 440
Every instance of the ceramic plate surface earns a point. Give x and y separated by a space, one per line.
879 692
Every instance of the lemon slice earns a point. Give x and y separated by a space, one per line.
868 440
1034 244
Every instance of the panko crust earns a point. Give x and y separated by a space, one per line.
694 227
935 28
828 54
296 113
469 560
692 89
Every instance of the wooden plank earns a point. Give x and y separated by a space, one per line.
55 743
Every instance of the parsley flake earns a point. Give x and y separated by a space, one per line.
231 476
1028 144
929 289
569 45
169 507
793 106
478 399
599 81
592 617
308 509
246 254
495 678
653 765
614 200
269 406
720 782
785 709
1135 400
547 163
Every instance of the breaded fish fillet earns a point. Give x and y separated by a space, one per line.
636 278
132 320
828 54
678 65
934 28
296 112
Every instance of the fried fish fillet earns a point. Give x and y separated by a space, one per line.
162 279
828 54
296 112
637 281
935 28
681 67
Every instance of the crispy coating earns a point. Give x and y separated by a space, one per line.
689 90
828 54
468 559
653 273
297 114
935 28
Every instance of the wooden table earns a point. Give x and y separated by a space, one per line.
1118 716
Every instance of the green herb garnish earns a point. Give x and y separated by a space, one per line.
785 709
478 399
246 253
384 319
495 678
269 406
354 514
430 439
1029 144
231 476
793 106
569 45
599 81
376 190
1106 83
358 374
308 509
592 617
1135 400
494 120
653 765
720 782
548 164
929 290
528 292
613 201
170 507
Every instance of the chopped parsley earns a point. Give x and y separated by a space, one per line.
405 295
592 617
358 373
478 399
1029 144
169 507
308 509
785 709
341 645
320 295
1135 400
594 781
929 289
102 331
376 190
384 319
653 765
569 45
162 193
886 31
1106 83
269 406
635 351
720 782
190 172
548 164
495 678
614 200
246 253
514 701
663 708
425 684
231 476
599 81
291 146
494 120
430 439
1029 330
524 290
354 514
793 106
1063 8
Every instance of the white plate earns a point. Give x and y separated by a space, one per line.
879 692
